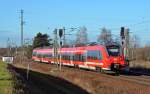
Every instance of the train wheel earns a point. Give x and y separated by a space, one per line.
117 72
76 66
98 69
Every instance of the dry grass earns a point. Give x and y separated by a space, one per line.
142 64
94 83
40 83
140 67
97 84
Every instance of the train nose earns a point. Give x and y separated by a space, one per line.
115 60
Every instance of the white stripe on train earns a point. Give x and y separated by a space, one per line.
93 63
81 66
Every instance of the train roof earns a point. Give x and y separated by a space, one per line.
77 50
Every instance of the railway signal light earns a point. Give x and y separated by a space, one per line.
61 43
60 33
122 33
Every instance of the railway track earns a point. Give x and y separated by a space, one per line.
132 77
141 79
137 79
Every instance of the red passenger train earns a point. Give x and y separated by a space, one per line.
96 57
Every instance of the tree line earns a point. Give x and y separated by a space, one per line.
105 36
42 40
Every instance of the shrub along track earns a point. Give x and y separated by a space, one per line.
93 82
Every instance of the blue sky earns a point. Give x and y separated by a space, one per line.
45 15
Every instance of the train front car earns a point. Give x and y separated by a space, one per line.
116 57
35 55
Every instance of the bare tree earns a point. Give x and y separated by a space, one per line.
134 41
147 44
82 36
105 36
135 52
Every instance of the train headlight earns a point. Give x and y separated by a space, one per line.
115 59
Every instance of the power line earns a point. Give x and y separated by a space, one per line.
130 25
139 23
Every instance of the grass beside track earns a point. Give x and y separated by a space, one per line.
5 79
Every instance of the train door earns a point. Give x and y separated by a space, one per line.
94 59
69 59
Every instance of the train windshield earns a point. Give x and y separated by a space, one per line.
113 50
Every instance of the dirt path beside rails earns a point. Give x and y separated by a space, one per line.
94 83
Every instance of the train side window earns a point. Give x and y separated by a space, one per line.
62 56
34 54
39 55
65 56
76 57
48 55
79 57
73 57
100 56
83 57
68 55
44 55
94 55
